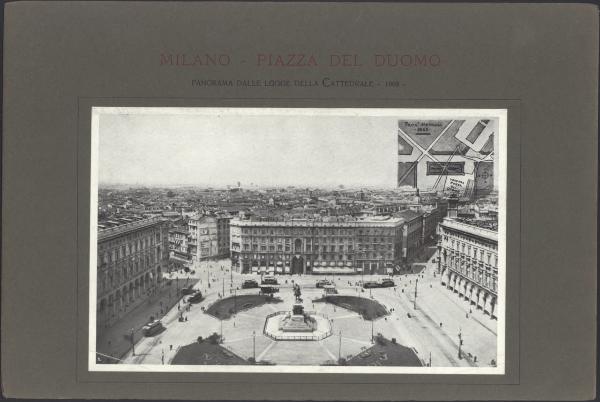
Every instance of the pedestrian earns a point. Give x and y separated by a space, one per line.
171 346
440 325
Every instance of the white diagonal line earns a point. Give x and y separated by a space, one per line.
425 152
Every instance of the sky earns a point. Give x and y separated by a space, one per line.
267 150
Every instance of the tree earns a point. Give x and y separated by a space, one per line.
214 338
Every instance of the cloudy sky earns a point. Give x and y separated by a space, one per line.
224 148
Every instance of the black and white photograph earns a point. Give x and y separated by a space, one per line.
334 240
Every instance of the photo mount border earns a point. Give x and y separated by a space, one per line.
512 106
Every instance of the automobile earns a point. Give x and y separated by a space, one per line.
188 290
269 280
322 283
152 328
387 283
370 284
330 290
196 298
249 284
268 290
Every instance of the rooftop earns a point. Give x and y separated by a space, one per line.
375 221
125 227
487 229
408 214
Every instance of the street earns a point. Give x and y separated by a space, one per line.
432 329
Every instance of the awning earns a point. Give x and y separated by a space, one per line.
389 270
359 269
287 269
348 263
332 264
340 264
271 269
279 263
263 269
254 269
279 269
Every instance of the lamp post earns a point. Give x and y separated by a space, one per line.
362 271
132 344
254 346
415 301
460 343
234 301
340 348
372 337
221 341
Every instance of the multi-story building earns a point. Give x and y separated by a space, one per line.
179 248
412 233
431 218
209 236
131 259
468 261
304 246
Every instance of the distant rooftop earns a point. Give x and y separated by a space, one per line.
408 214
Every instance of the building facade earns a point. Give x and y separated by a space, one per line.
130 261
303 246
431 218
468 262
179 254
209 236
412 233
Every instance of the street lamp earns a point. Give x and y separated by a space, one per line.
415 301
234 301
372 337
460 343
340 348
132 344
254 346
362 271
